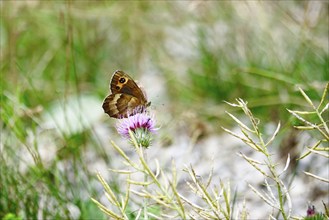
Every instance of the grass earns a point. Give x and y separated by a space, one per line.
56 62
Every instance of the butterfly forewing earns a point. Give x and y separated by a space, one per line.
123 83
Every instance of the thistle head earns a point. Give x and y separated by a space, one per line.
141 125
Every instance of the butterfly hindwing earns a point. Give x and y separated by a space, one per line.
120 105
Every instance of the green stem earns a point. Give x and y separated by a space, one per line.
145 200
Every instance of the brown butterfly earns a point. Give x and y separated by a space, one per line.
126 98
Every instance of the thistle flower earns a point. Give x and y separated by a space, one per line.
310 211
142 125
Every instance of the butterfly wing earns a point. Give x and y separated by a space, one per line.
121 105
123 83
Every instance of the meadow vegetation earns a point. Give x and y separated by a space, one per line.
208 68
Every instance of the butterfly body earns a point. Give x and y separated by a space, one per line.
126 99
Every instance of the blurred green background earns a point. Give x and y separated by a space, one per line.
57 58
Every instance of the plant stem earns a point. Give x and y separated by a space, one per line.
145 200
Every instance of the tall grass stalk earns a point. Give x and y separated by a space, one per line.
321 111
252 137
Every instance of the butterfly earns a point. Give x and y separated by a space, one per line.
127 97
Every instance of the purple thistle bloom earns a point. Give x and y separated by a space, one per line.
141 124
310 211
